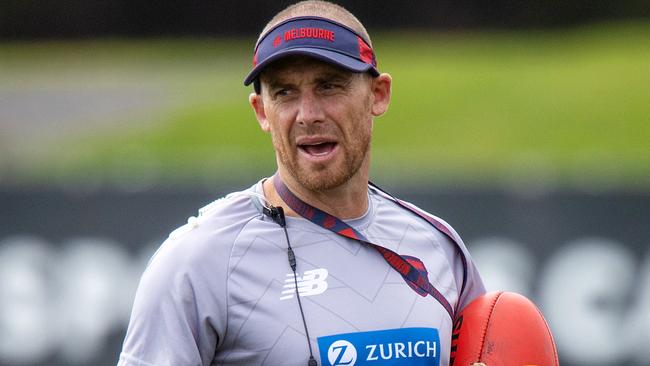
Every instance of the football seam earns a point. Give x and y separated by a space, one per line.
487 324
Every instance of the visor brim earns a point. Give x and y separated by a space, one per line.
333 57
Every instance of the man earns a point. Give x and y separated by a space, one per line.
313 265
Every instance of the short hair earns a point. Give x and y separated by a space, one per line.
320 8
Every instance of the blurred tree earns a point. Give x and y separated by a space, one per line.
33 19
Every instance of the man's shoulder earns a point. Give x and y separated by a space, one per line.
402 210
222 214
214 229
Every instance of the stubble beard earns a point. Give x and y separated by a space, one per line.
323 177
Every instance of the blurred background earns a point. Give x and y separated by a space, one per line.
526 124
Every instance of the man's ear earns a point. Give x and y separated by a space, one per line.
381 88
257 103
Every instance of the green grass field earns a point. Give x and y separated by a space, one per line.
568 108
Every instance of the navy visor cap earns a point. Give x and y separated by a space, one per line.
321 38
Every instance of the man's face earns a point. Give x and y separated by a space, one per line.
320 120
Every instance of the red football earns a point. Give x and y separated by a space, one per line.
502 329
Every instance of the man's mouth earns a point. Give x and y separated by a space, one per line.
318 149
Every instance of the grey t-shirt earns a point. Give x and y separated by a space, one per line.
220 291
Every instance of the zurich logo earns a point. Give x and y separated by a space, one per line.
342 353
386 347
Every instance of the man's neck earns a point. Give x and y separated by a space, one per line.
347 201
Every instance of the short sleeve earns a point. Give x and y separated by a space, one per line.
180 306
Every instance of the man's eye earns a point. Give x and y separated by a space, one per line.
329 86
281 92
285 94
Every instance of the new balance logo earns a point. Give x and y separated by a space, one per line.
311 283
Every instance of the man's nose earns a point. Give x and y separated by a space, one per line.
310 109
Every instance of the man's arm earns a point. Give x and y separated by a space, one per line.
179 306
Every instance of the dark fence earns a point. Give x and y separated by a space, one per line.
69 264
27 19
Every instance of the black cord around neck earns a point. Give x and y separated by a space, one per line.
277 214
